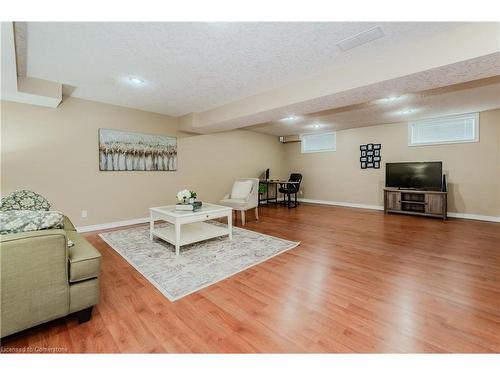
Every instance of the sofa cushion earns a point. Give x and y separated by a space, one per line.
24 200
241 189
27 221
84 259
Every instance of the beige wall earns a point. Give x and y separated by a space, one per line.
472 169
498 159
54 152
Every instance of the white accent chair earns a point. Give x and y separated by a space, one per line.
244 196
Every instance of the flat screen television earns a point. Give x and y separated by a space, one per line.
414 175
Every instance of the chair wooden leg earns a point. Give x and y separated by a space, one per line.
242 217
257 213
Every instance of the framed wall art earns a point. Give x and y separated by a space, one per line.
370 155
129 151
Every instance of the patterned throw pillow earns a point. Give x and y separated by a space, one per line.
24 200
27 221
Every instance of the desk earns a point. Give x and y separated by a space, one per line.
275 183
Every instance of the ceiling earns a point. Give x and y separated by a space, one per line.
472 96
193 67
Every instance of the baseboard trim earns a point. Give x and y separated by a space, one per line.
343 204
458 215
115 224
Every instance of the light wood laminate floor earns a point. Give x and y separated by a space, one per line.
360 281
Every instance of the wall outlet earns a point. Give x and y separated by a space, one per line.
84 213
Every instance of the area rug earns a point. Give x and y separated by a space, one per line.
198 265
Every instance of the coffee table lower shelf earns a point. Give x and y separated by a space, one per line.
190 233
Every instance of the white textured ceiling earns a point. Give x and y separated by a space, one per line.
193 67
475 96
472 70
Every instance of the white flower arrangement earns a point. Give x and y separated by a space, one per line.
186 195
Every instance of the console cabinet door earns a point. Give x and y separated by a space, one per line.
434 204
393 200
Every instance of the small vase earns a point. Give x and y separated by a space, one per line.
191 200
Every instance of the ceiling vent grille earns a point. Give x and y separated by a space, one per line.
361 38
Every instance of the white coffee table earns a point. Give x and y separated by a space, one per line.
189 226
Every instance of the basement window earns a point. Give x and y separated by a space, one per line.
444 130
323 142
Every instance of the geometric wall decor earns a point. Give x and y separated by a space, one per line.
130 151
370 155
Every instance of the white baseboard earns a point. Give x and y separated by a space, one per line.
458 215
343 204
91 228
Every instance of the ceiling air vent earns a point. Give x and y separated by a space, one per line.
361 38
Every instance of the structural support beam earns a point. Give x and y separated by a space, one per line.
24 89
464 53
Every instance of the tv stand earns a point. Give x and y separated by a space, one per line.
416 202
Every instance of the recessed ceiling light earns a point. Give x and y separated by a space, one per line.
136 81
406 111
391 98
290 118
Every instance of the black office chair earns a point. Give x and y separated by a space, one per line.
291 189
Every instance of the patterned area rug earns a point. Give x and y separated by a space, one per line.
198 265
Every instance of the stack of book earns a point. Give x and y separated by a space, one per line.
188 207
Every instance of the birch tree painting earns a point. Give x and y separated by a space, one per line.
129 151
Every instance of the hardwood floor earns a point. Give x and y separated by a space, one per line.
360 281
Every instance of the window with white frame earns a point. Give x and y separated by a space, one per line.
444 130
322 142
